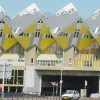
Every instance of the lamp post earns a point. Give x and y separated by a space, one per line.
86 87
85 84
56 87
61 81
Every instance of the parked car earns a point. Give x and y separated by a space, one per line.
95 95
71 95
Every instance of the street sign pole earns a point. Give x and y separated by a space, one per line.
3 80
53 84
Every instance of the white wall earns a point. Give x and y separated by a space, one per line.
37 82
32 81
99 84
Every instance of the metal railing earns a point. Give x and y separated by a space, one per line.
30 96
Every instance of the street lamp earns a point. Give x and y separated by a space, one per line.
61 81
86 83
56 85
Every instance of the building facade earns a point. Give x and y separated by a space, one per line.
42 49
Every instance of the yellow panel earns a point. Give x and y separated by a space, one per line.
98 39
45 29
31 29
46 42
84 29
24 41
9 42
83 43
71 29
81 58
7 29
96 63
63 42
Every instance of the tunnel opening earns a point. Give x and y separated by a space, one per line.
70 83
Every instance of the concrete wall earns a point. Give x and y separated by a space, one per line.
31 54
28 55
99 84
69 54
32 81
37 82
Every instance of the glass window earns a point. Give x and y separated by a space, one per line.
15 77
8 81
90 63
70 61
0 81
20 80
31 60
21 34
27 34
12 72
5 81
36 50
11 80
20 72
1 34
38 21
86 63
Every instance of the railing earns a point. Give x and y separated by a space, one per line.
20 62
86 60
30 96
17 62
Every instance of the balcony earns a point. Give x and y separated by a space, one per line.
12 59
83 62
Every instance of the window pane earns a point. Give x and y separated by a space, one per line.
0 81
20 72
20 80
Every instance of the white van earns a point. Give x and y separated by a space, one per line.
71 95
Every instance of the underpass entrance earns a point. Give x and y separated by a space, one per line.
70 83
